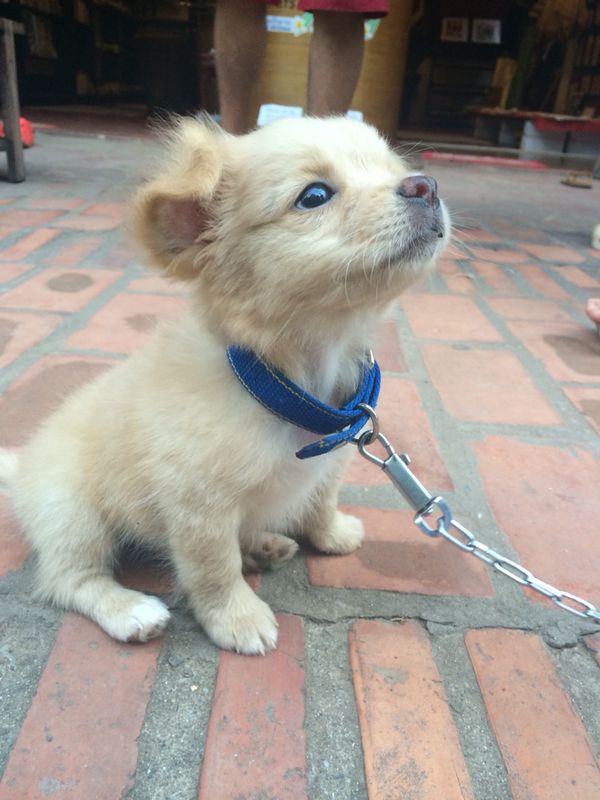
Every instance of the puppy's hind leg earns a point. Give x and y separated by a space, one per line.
74 549
264 550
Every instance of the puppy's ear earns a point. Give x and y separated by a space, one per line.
172 213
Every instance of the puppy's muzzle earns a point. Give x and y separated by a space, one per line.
420 188
421 194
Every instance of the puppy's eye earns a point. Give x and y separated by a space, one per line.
315 195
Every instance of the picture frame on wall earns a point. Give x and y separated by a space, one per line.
455 29
486 31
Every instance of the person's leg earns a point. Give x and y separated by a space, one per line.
592 309
335 60
240 37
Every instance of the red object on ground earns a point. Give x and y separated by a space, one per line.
493 161
27 134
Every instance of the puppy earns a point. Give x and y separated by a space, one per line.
293 240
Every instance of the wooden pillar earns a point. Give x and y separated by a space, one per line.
9 95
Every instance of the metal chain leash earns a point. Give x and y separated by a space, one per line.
396 467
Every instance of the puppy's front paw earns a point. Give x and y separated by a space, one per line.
246 624
141 619
343 536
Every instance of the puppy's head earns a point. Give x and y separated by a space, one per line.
304 218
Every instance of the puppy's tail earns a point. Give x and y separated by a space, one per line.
8 467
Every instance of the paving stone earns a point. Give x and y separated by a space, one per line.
545 747
396 557
498 254
410 744
587 400
79 738
448 318
40 390
76 253
578 277
255 745
29 244
20 331
405 424
27 219
525 309
456 279
59 289
87 222
569 352
496 277
543 283
125 322
387 349
546 498
9 272
13 549
554 254
486 386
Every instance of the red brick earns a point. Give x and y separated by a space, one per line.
27 219
83 222
546 500
73 254
18 332
570 352
545 747
117 210
255 746
79 738
543 283
410 744
525 309
13 549
59 201
397 557
15 270
517 232
579 278
406 425
498 255
486 386
40 390
554 254
455 278
469 235
593 643
387 349
29 244
587 400
448 318
496 277
59 289
125 322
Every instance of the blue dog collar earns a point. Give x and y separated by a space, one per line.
288 401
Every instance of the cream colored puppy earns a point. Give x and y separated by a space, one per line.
294 240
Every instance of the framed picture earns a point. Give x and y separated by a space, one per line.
455 29
486 31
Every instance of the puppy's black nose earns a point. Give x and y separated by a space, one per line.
421 186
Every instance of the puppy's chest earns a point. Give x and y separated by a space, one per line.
290 487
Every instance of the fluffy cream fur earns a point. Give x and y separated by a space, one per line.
167 448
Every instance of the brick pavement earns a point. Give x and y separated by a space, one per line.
404 670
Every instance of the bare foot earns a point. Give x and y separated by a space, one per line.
592 309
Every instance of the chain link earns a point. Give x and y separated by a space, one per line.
424 503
